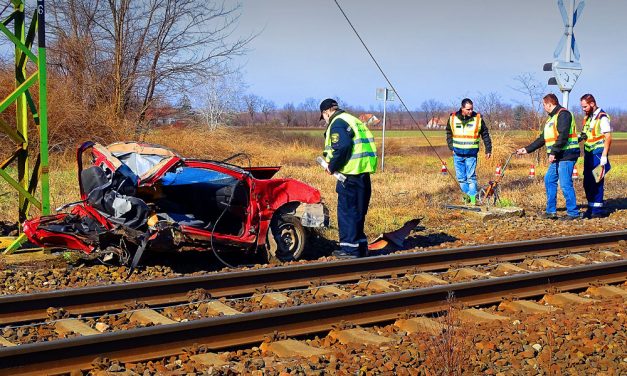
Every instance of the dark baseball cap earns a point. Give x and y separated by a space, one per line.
326 104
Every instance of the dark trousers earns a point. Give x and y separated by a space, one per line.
594 191
353 197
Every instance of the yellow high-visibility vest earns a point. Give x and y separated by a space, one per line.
465 135
550 133
364 155
592 128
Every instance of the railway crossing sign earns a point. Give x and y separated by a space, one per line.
568 29
567 71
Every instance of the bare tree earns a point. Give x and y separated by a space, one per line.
310 111
252 103
528 85
220 98
433 110
491 106
289 113
395 112
534 90
267 108
139 50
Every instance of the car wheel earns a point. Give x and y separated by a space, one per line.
286 238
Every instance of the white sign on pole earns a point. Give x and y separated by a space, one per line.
380 95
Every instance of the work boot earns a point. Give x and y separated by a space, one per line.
473 200
549 216
569 218
342 254
588 214
363 249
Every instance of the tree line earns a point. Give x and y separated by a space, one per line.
253 110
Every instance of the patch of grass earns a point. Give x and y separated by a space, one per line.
619 135
71 257
505 203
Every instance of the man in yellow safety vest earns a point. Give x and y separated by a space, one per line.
560 137
463 130
597 137
350 150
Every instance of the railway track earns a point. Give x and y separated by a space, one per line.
236 330
24 308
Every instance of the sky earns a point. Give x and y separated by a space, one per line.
445 50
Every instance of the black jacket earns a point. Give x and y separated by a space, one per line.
564 120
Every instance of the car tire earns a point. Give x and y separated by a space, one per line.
286 239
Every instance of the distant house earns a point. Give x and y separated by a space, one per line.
170 116
502 125
436 122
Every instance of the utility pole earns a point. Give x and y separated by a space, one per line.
567 71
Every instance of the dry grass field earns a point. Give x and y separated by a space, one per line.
411 185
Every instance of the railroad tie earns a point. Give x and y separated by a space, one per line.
507 268
473 315
608 255
577 259
217 308
606 291
565 299
271 299
424 278
358 336
525 306
291 348
330 291
379 285
420 325
463 274
149 316
209 359
546 264
67 326
6 343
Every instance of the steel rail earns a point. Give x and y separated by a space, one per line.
23 308
229 331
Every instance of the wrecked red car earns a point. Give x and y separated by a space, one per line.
137 197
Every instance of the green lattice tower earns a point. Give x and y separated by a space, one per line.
27 180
